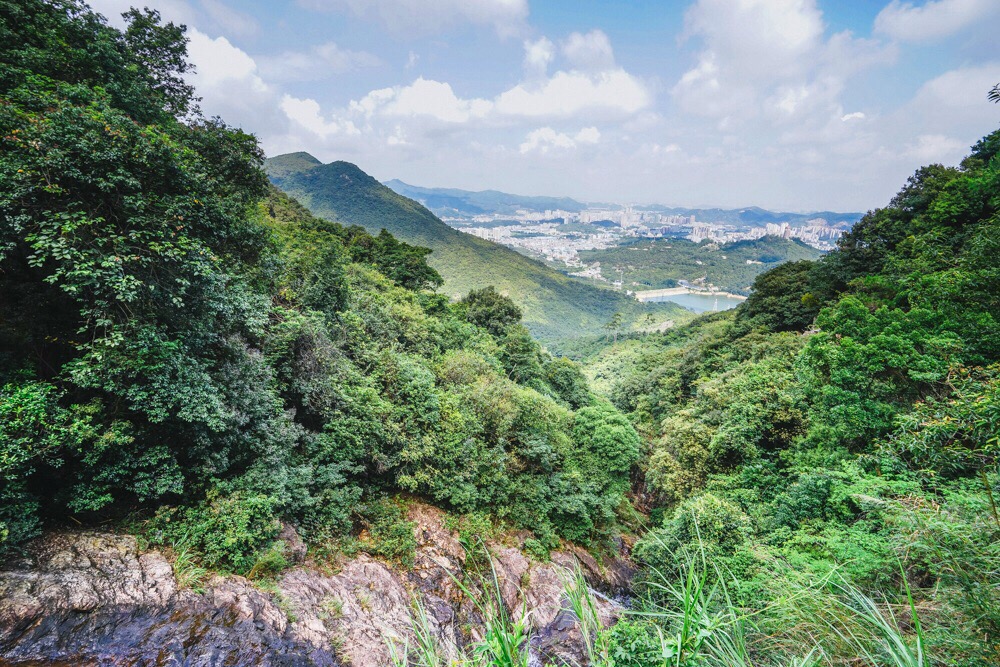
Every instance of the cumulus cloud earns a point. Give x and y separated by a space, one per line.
219 63
770 58
424 97
591 51
306 113
663 149
604 92
538 55
757 38
232 21
429 16
545 139
317 63
933 20
765 106
954 103
612 92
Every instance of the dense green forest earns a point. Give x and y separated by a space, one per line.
823 459
188 352
659 263
183 344
555 306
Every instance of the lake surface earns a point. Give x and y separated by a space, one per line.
700 303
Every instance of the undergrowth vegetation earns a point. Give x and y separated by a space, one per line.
834 441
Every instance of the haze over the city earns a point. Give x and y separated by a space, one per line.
788 104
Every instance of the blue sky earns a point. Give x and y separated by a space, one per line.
790 104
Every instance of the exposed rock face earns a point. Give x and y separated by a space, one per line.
92 599
88 598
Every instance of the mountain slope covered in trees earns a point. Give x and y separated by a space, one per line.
830 448
554 305
187 353
660 263
183 344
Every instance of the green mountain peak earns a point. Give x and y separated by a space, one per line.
290 163
555 306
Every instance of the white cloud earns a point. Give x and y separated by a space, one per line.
770 59
565 94
306 113
317 63
608 93
954 103
429 16
397 138
423 97
177 11
765 107
933 20
665 149
757 37
230 20
930 148
228 81
589 52
218 62
538 55
545 139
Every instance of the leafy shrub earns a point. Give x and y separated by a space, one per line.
705 523
607 445
230 532
388 533
489 309
679 464
635 643
782 298
270 563
567 380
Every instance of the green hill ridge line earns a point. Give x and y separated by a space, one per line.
555 306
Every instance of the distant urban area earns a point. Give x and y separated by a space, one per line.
559 235
651 251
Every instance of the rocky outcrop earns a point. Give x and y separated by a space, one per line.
93 599
87 598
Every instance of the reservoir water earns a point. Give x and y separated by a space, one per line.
700 303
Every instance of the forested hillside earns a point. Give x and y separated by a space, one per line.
659 263
827 453
186 349
555 306
189 355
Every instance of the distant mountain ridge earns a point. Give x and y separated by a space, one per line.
445 201
754 215
555 306
452 201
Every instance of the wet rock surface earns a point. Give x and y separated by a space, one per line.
86 598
